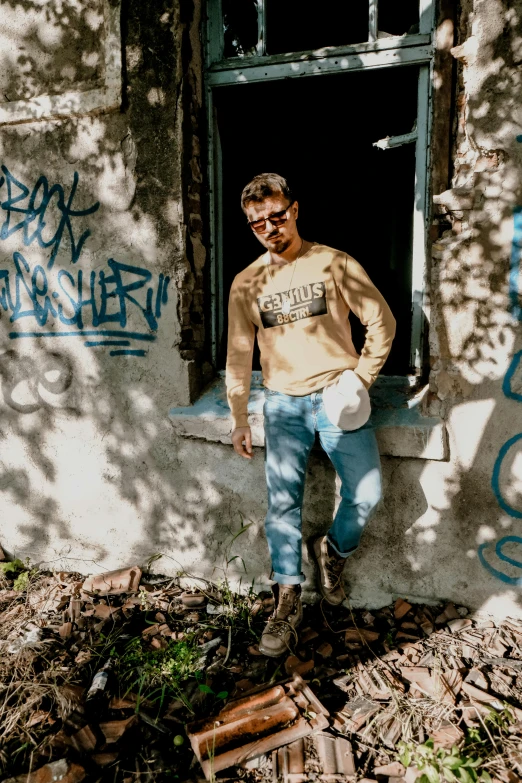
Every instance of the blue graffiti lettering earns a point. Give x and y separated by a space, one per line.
514 270
44 215
510 580
33 206
495 481
35 293
508 378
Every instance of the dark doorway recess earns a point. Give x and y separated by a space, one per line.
318 132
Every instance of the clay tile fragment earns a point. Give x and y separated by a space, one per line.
395 769
335 754
356 635
401 608
446 735
104 759
307 634
458 625
61 771
324 650
476 677
192 600
124 580
113 730
293 665
84 740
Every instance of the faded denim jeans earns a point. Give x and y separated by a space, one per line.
290 427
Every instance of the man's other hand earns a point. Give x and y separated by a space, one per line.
242 442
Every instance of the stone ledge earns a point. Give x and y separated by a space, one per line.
401 429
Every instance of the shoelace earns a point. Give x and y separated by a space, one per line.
278 623
334 569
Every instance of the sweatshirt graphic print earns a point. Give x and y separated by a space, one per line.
303 302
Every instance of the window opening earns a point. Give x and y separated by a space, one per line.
352 195
358 125
329 23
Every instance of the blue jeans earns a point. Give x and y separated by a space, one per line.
290 427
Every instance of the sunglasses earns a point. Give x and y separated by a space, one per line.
276 219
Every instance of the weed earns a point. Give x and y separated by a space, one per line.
22 581
443 766
159 673
13 568
208 690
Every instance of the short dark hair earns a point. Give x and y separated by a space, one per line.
263 186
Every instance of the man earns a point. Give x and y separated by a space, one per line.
299 294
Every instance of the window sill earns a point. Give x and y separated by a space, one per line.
401 429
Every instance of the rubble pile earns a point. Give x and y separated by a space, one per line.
127 676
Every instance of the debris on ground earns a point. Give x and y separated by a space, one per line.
128 676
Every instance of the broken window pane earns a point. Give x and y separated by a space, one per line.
240 27
398 18
301 25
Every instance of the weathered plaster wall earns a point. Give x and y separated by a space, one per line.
100 242
92 474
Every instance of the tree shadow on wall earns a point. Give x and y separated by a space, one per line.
87 450
468 541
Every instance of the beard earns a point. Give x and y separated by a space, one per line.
278 246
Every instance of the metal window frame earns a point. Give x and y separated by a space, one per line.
390 52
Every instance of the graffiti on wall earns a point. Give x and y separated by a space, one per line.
95 305
515 273
513 391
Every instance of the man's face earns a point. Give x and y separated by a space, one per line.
274 238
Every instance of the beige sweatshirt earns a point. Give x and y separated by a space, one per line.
308 348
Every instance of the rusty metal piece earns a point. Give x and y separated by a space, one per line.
248 727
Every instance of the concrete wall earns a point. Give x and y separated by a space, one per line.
92 474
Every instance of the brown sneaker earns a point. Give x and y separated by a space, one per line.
280 631
330 566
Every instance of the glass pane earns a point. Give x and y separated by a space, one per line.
398 18
240 27
301 25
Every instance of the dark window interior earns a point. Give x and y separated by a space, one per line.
398 18
318 132
300 25
303 25
239 27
